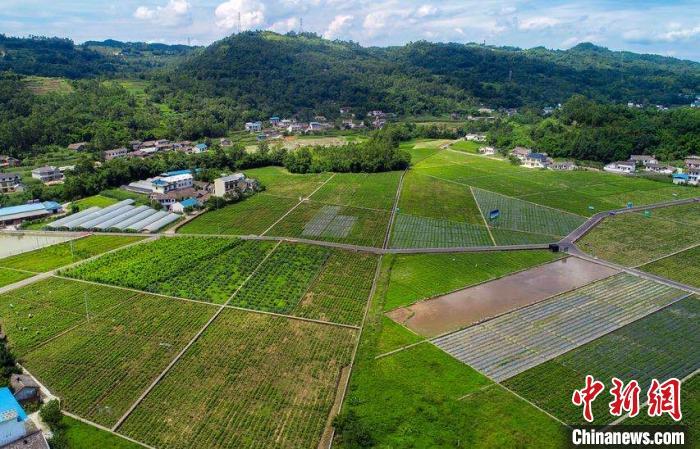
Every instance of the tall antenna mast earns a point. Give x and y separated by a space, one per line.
239 22
301 25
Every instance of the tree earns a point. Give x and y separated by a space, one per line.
50 413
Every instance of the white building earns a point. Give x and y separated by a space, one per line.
563 165
643 159
165 184
536 160
47 174
476 137
660 169
227 184
520 152
624 167
113 154
253 127
488 151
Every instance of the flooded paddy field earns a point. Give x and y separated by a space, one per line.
11 244
463 308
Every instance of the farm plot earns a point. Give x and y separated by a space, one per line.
251 216
417 152
340 292
632 239
419 276
208 269
507 237
462 308
368 190
8 276
661 345
683 267
342 224
419 232
251 380
518 215
56 256
425 196
33 314
508 345
278 181
101 367
283 278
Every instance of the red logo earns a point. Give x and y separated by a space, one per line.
586 395
625 398
665 398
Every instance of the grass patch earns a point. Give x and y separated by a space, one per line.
251 216
419 232
84 436
418 276
59 255
95 201
467 146
251 380
278 181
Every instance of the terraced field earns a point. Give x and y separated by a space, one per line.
661 345
510 344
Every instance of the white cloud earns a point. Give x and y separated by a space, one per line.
252 14
337 26
175 12
538 23
285 25
375 21
426 11
674 33
680 34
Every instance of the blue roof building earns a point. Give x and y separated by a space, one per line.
177 172
16 214
201 146
12 418
189 202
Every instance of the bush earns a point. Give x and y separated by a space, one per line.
50 413
352 431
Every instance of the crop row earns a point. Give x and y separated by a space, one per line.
419 232
100 368
250 381
283 279
339 293
662 345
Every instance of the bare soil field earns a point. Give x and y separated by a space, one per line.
471 305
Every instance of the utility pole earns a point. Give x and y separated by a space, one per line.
239 22
301 25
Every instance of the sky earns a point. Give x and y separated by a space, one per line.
666 27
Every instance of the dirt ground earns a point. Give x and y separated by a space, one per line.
471 305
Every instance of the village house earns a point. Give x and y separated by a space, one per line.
692 162
181 206
253 127
680 178
113 154
345 110
488 151
199 148
236 181
378 123
295 128
536 160
10 182
15 215
520 152
625 167
643 159
47 174
563 165
314 126
79 146
135 144
660 169
16 429
274 121
475 137
377 114
7 161
224 142
485 110
694 176
24 388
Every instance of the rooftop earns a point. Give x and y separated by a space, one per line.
233 177
10 406
189 202
24 208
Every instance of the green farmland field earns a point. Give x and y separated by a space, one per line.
418 276
419 232
423 398
94 201
34 314
278 181
424 196
208 269
100 368
251 216
632 239
683 267
56 256
342 224
8 276
662 345
341 290
251 380
369 190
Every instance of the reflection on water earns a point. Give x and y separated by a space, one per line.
15 244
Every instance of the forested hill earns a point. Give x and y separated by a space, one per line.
271 73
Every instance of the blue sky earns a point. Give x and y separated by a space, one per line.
646 26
